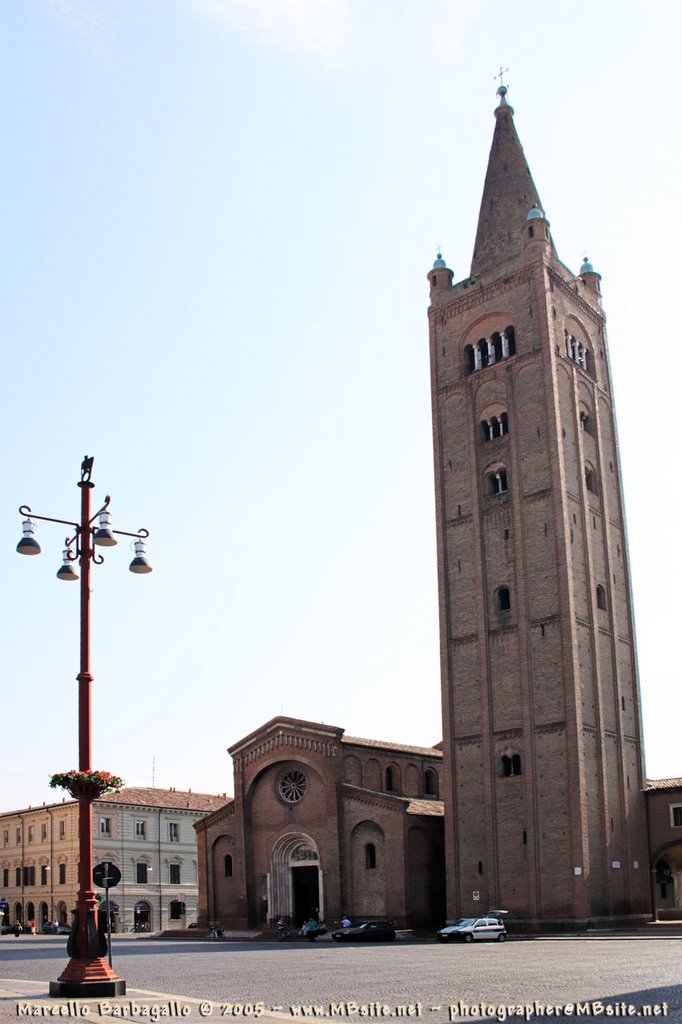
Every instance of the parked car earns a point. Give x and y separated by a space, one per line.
55 928
475 929
367 931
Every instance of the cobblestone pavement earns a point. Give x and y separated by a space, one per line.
519 979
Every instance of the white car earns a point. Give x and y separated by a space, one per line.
474 929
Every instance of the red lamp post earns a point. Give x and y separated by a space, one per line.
87 973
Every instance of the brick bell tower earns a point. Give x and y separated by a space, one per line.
543 753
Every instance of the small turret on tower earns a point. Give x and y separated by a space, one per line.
537 230
440 276
590 278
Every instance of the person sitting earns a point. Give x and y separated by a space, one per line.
345 921
311 929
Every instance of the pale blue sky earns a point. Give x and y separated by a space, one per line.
217 220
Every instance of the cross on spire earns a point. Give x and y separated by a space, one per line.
501 72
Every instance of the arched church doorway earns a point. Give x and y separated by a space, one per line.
668 883
295 881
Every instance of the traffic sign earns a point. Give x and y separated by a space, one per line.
476 895
106 875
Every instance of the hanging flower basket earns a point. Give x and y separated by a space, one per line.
87 785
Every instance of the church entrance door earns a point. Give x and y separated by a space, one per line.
306 894
295 883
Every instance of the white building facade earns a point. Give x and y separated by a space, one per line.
147 833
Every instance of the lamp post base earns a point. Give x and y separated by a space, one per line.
87 976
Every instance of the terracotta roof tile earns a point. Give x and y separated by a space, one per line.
358 741
174 798
435 808
663 783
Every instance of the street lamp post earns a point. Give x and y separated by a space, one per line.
87 973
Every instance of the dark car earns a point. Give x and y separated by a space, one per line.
55 928
368 931
475 929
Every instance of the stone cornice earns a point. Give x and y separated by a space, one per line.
370 798
476 295
585 307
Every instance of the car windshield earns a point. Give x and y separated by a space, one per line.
465 922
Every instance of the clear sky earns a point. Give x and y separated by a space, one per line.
217 220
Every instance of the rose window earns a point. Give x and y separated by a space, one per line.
292 786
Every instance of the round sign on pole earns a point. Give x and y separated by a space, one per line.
106 875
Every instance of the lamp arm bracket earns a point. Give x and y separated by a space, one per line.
24 510
140 533
70 554
99 510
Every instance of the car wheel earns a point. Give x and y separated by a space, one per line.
469 938
501 937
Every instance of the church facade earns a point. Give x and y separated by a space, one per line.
323 825
544 801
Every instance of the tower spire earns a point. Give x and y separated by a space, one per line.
508 194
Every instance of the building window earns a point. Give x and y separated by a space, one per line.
591 481
18 837
497 482
62 829
291 786
496 426
173 831
30 833
370 856
17 877
5 878
177 910
228 866
676 815
62 874
503 599
511 765
578 352
488 351
390 780
105 826
5 837
141 870
43 832
601 597
174 874
29 875
430 783
140 829
585 422
43 874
